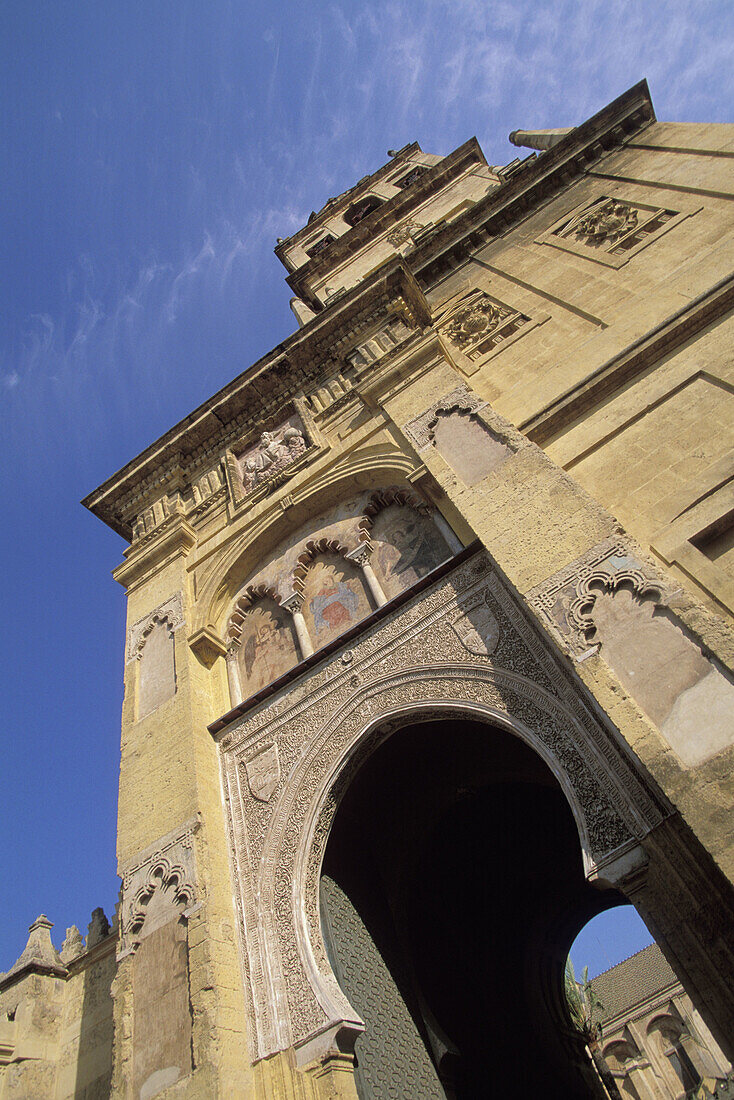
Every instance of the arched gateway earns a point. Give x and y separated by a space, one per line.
429 650
447 811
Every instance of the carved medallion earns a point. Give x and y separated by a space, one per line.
605 224
474 321
477 630
263 773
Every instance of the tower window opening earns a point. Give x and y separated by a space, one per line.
320 246
412 176
359 210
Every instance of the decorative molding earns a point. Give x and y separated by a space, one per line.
565 599
631 362
383 340
462 399
478 324
168 866
404 233
263 772
207 645
504 674
610 229
169 612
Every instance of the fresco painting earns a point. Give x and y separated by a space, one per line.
268 647
407 547
335 598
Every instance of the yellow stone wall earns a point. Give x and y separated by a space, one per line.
590 459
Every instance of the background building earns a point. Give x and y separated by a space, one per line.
654 1041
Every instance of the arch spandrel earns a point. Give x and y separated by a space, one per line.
486 661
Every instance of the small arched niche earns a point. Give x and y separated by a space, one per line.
467 444
407 546
360 209
335 597
688 697
156 681
267 646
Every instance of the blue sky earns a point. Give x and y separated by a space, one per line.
153 153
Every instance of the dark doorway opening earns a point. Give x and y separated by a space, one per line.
452 889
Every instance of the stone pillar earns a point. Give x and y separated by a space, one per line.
450 538
294 604
233 678
361 557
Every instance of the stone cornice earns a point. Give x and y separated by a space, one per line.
309 353
174 538
256 394
533 182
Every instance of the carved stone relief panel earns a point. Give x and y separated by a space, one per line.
457 429
611 229
479 324
273 453
615 603
463 645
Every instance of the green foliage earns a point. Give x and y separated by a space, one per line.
583 1004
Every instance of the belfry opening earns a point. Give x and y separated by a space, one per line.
452 888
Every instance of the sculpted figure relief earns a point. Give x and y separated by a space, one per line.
274 453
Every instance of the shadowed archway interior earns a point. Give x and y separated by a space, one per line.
452 889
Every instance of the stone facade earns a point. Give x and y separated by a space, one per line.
497 448
653 1040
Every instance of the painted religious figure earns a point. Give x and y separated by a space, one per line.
335 599
267 646
407 547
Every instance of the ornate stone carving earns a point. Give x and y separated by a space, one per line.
263 772
501 674
275 452
476 628
473 322
167 872
563 600
420 430
403 234
169 612
604 224
382 341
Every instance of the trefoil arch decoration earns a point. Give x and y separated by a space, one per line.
601 580
170 612
163 876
